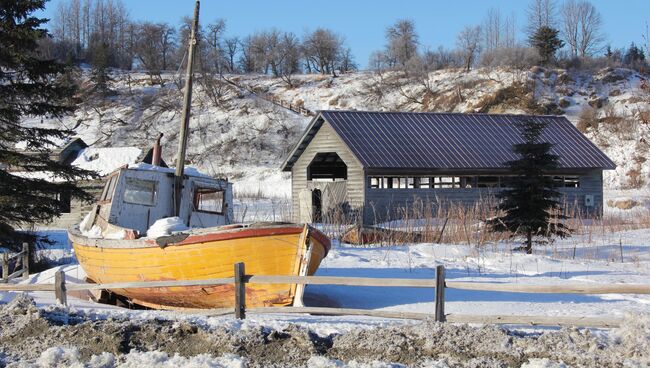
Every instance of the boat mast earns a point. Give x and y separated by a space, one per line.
185 122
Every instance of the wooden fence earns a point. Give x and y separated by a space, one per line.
240 279
21 258
298 109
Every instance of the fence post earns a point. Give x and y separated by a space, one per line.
59 288
5 267
440 294
25 261
240 291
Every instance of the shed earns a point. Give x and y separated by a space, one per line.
372 164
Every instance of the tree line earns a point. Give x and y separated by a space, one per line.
567 34
101 33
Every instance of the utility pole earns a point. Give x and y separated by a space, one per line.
185 122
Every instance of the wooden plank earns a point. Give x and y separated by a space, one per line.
25 261
553 289
5 267
59 288
240 291
440 294
347 281
151 284
15 255
608 322
15 274
341 312
27 287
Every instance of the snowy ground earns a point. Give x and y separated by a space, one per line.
120 337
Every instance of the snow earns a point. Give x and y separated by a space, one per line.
95 232
107 159
166 226
187 170
70 357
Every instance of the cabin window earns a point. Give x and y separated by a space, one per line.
140 191
209 200
109 188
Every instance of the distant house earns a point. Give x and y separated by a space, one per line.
375 163
76 152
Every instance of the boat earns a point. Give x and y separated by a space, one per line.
153 223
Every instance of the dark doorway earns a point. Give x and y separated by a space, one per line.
327 166
316 206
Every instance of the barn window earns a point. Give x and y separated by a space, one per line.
487 182
209 200
140 191
566 181
327 166
446 182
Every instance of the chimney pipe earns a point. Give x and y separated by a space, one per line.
155 158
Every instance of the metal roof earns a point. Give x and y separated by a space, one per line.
405 140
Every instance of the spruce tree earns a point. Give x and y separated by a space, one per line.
547 42
529 206
35 89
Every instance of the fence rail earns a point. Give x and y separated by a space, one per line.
21 258
240 279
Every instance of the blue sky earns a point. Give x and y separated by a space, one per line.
362 22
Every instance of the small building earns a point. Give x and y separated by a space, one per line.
103 161
373 164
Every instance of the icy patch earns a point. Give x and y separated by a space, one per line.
166 226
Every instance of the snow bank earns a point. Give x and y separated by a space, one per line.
166 226
70 357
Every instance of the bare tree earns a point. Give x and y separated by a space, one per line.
154 45
215 51
493 29
402 42
231 48
469 45
581 27
322 49
541 13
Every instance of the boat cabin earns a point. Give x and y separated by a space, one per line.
134 198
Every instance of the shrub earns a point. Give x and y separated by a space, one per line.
588 118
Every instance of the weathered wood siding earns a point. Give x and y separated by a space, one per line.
326 140
385 204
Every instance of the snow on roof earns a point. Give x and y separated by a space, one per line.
106 160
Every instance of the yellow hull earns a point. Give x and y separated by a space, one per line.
269 250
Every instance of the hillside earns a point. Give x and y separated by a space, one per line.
239 134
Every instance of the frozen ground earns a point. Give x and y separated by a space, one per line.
96 335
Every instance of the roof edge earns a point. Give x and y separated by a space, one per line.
286 165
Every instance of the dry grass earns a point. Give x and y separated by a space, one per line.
449 223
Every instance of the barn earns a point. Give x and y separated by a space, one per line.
374 163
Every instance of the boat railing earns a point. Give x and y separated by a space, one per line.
240 279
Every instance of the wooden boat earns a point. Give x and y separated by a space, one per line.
115 242
266 249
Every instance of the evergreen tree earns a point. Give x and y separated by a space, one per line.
530 205
634 56
33 88
547 42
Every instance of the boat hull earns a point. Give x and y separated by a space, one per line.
267 250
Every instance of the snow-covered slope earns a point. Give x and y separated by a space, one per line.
238 134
